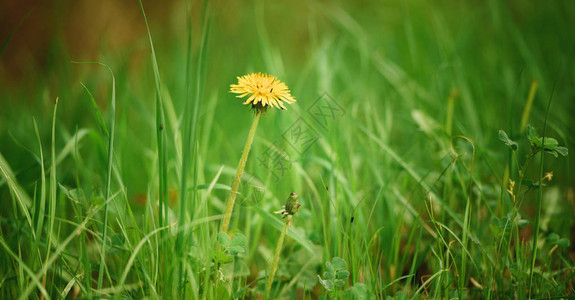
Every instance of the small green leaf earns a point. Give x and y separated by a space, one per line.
329 275
563 243
224 239
553 238
327 284
339 263
329 267
537 142
562 150
342 274
235 250
239 240
221 257
504 138
550 143
338 283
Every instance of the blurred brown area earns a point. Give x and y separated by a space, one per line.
38 36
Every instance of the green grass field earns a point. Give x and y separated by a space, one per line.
415 147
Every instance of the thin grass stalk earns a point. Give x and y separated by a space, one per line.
188 136
528 105
191 127
83 249
42 206
108 179
57 253
52 198
162 181
23 267
161 140
537 220
539 196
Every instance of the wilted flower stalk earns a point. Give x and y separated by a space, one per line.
288 210
264 91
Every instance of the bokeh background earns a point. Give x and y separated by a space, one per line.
392 67
393 57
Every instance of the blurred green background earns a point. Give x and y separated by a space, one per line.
392 57
391 66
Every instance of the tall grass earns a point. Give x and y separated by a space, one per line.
406 181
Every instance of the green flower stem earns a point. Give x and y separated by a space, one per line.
277 257
240 171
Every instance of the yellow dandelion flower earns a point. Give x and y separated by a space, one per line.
263 90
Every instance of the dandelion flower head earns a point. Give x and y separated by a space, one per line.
263 90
